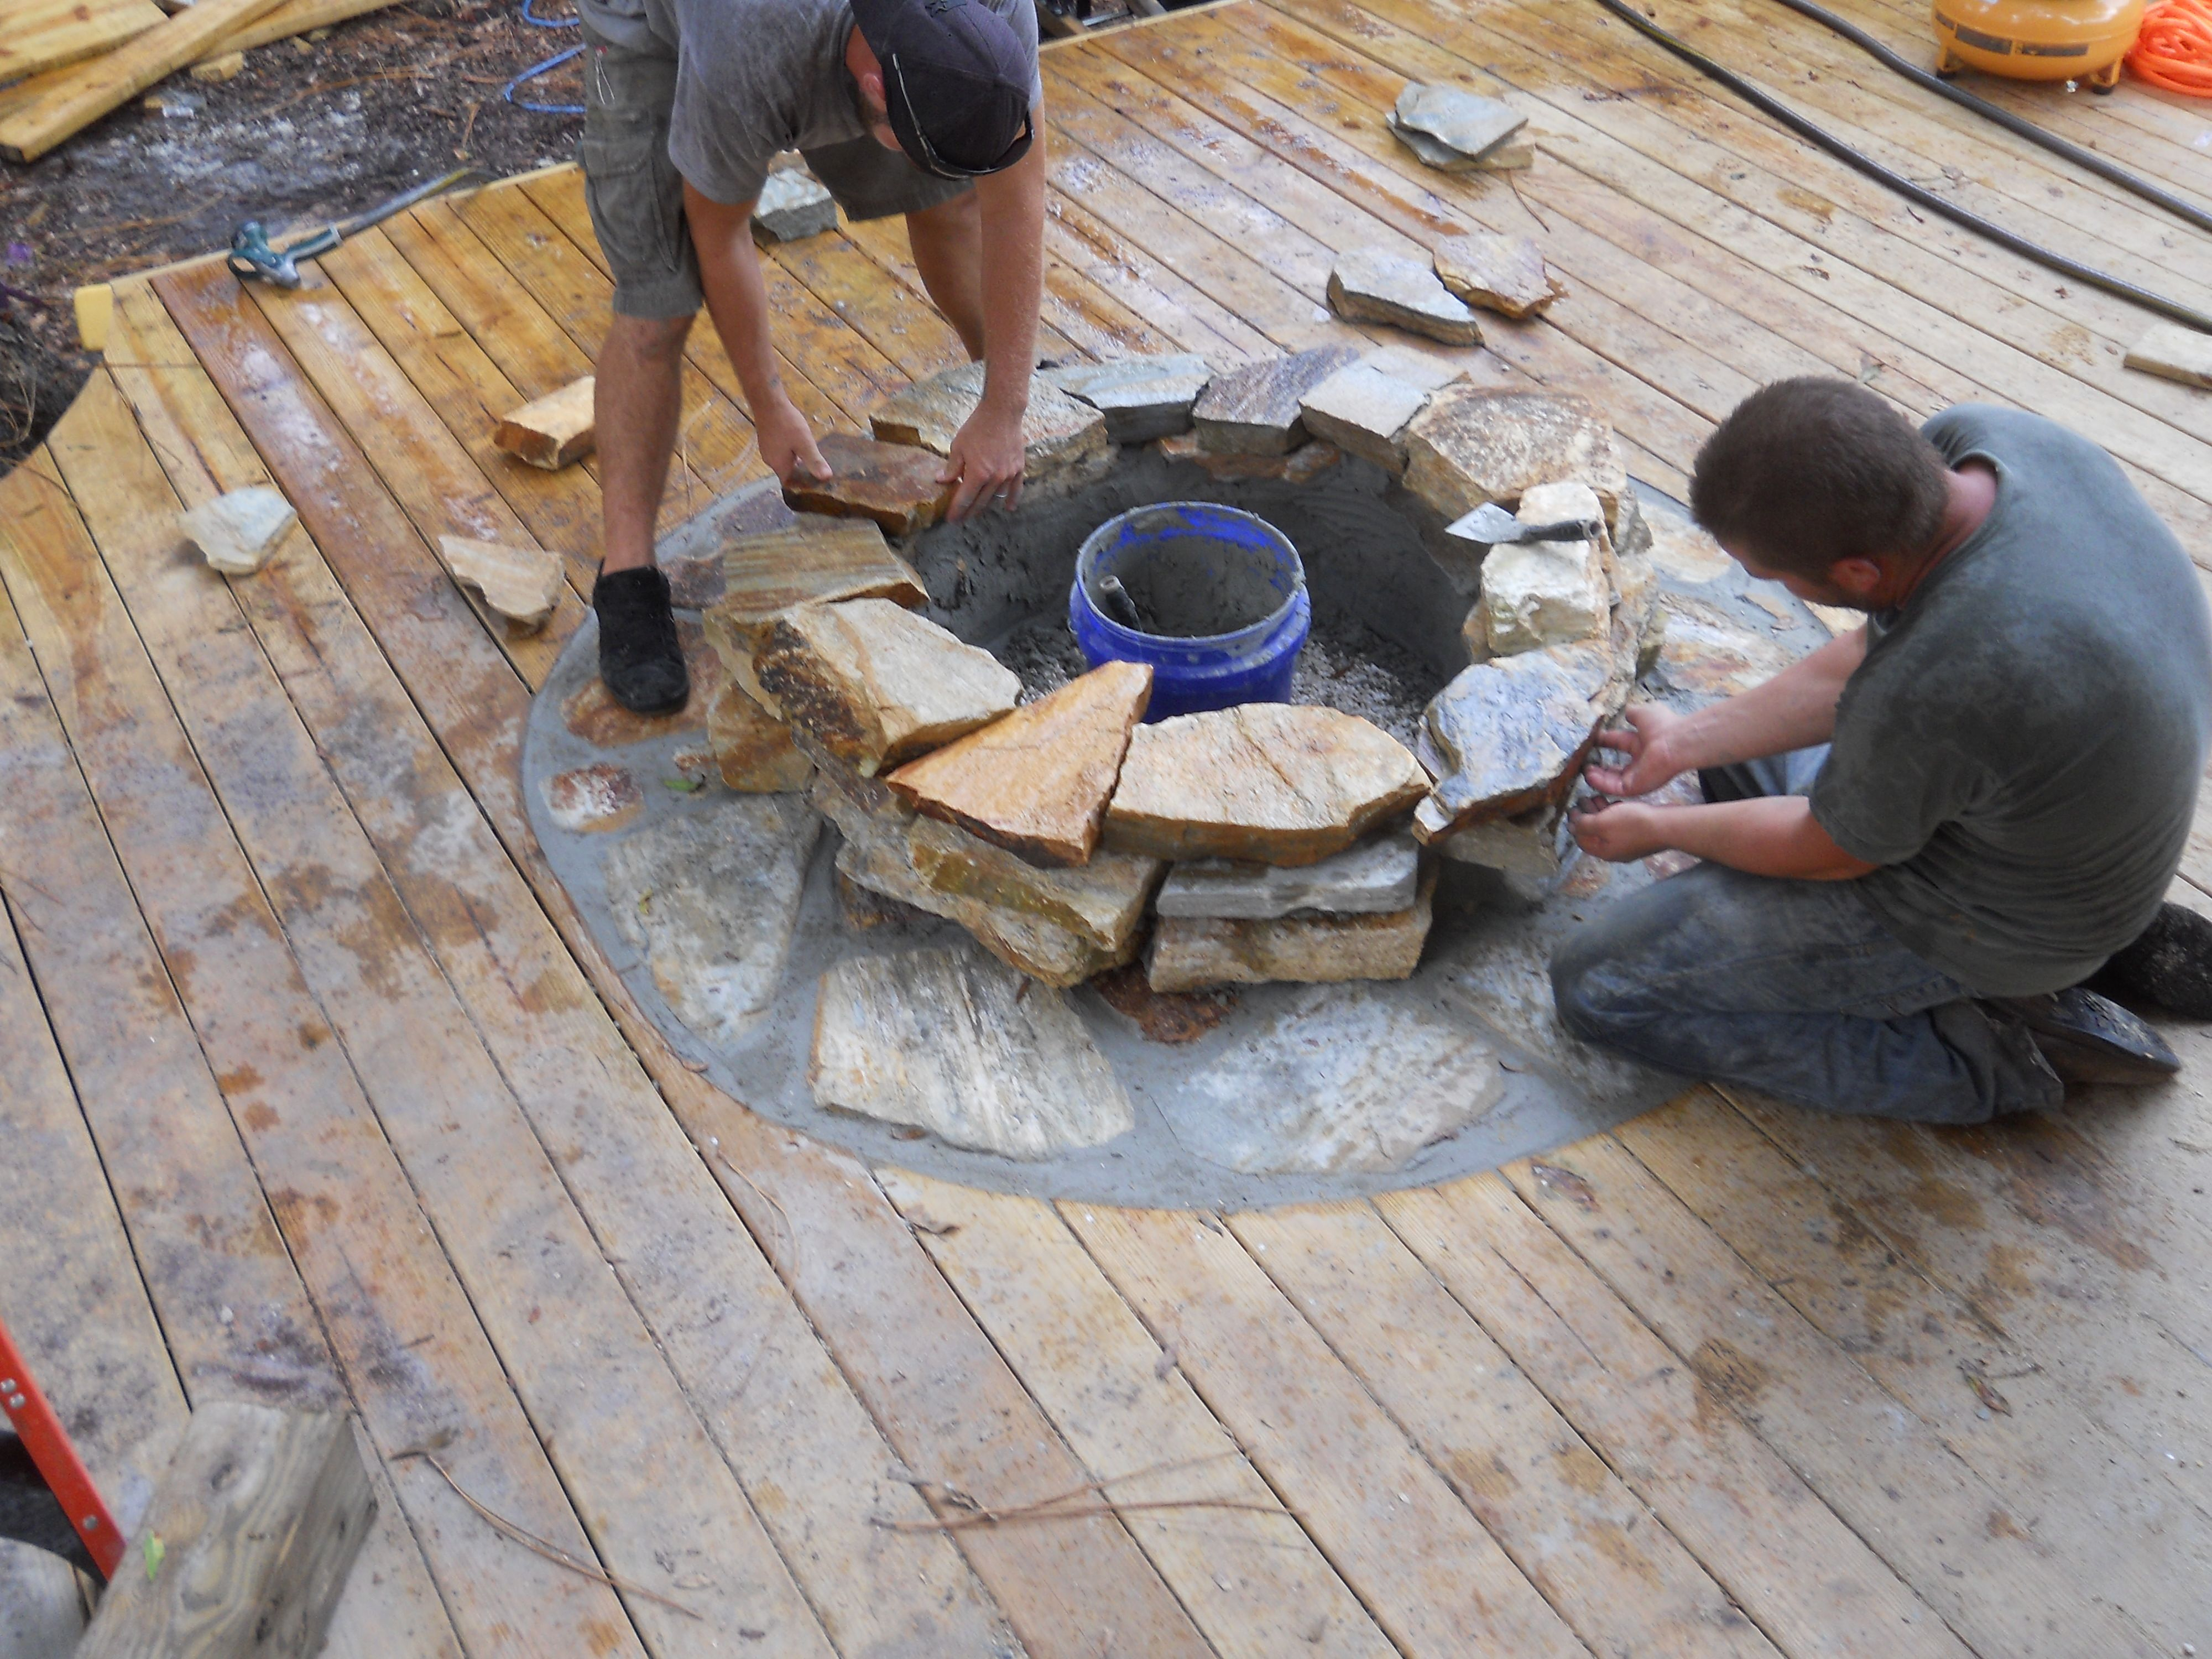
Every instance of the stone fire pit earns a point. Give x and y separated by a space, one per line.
1040 982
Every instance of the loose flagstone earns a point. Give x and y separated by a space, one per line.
1511 735
711 896
1065 439
793 203
877 684
1277 783
1500 273
818 558
1374 879
1536 593
2174 353
1467 122
1363 411
1304 1093
894 484
1141 398
1038 781
953 1043
1311 947
1473 444
523 584
1254 409
1369 286
553 431
238 532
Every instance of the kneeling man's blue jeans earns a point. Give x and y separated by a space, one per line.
1791 988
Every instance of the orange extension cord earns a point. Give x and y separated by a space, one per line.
2174 50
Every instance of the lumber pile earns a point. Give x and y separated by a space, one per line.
65 63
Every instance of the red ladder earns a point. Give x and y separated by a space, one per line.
56 1460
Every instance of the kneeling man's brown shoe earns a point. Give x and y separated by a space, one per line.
2089 1039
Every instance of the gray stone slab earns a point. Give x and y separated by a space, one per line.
1254 409
1370 285
1141 398
1341 1079
1465 122
1374 879
793 204
711 897
952 1042
1362 411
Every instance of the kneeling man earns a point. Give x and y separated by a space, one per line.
1919 841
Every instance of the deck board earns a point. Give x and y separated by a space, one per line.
1720 1398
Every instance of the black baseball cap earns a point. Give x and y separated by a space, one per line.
957 81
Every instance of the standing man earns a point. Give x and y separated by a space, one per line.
929 108
1918 840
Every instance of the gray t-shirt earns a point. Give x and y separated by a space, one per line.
2021 750
754 78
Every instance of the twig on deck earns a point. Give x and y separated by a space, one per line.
783 1216
553 1552
1100 1510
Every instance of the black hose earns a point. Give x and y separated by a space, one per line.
2086 159
1768 104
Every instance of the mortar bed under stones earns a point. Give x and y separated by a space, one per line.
1243 1096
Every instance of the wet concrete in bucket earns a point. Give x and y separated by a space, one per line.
727 919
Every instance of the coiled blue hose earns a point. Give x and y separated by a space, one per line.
552 64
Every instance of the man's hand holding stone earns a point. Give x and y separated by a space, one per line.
987 460
785 440
1649 741
1620 832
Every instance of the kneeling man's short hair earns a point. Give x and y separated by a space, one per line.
1805 472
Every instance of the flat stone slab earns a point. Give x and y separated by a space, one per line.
1472 445
1375 877
793 203
1190 952
240 532
817 559
1511 735
591 713
1275 783
711 897
1304 1093
1065 439
954 1042
1059 926
522 584
893 484
753 750
877 684
593 799
553 431
1466 123
1254 409
1505 274
1364 412
1141 398
1534 845
1038 781
1368 285
2174 353
1536 593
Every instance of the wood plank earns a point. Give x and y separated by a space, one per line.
509 327
809 1457
886 242
2126 1528
51 107
1943 1529
1567 1520
259 1517
37 35
1192 318
1254 1582
294 17
171 1150
1746 1515
715 436
659 1505
1433 1578
41 1611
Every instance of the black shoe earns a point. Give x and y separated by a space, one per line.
2169 967
640 657
2088 1039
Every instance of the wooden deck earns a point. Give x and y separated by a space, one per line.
316 1089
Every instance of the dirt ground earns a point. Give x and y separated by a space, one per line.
309 130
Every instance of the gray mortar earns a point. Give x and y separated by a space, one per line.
1485 954
1191 586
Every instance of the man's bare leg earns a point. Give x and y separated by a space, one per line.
948 252
637 404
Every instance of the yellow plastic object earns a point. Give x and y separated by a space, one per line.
2038 40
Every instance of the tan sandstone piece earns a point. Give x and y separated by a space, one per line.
2174 353
1273 783
752 748
894 484
1503 274
1312 947
554 430
240 532
951 1042
878 685
523 584
1065 439
1473 445
1038 781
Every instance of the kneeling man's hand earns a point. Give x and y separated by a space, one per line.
986 458
1644 740
1618 832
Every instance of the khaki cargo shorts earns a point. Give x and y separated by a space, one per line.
636 195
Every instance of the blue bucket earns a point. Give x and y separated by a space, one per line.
1224 589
